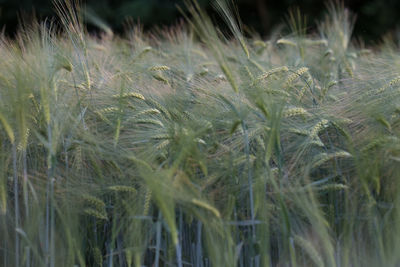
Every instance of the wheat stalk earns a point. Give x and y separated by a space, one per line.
159 68
388 85
267 74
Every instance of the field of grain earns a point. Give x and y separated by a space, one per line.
191 146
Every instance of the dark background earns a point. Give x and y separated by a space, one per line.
374 17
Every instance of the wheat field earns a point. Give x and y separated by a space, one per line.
192 146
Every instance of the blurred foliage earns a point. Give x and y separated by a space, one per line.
374 17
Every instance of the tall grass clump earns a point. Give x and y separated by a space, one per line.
191 146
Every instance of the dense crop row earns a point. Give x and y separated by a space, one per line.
187 149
